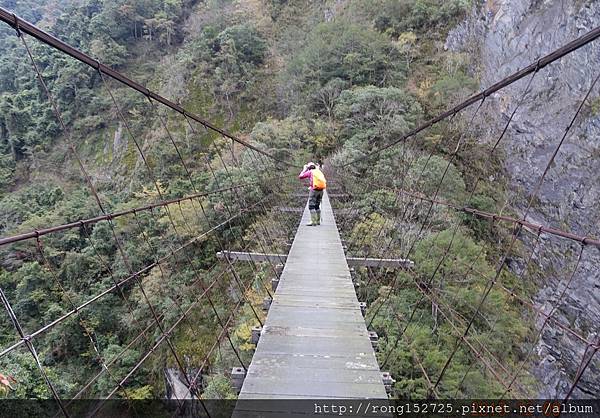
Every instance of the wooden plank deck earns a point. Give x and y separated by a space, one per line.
314 343
282 258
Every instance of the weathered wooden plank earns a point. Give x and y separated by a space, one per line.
351 261
254 257
315 342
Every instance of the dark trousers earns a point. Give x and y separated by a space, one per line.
314 199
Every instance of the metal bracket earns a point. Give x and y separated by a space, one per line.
256 331
238 374
374 340
363 308
388 381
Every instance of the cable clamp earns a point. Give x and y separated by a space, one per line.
16 25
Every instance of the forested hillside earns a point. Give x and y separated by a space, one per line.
304 80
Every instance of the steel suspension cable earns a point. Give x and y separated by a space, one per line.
555 55
526 212
23 26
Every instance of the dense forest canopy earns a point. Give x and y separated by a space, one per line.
301 79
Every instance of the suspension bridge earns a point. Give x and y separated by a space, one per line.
314 343
317 340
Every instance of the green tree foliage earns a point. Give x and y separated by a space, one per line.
397 16
343 51
29 202
108 30
454 290
219 387
290 136
225 61
376 115
237 51
343 87
435 175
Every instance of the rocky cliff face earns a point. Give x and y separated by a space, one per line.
504 36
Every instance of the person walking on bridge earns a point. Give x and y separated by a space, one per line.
317 185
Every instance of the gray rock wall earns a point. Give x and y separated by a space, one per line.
504 36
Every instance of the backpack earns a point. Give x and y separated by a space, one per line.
318 180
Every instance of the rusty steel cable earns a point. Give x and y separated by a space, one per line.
520 223
503 258
164 277
92 188
511 293
532 226
111 215
67 132
461 320
27 340
506 126
555 307
72 149
396 220
496 144
163 337
417 360
465 341
437 301
583 366
428 214
405 175
400 335
532 68
470 267
129 130
189 289
195 188
512 114
165 208
107 217
227 207
82 323
217 340
175 229
525 92
402 217
260 221
241 200
88 302
548 316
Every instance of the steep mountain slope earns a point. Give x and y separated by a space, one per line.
505 36
309 80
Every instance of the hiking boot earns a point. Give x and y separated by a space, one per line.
318 217
313 218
